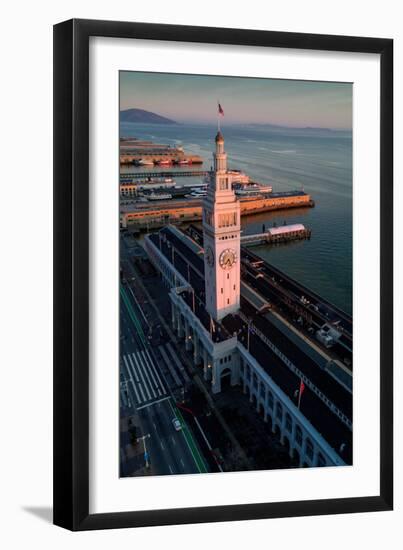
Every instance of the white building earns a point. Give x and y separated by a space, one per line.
222 237
225 359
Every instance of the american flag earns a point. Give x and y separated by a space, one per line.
220 110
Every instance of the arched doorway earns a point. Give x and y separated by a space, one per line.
225 379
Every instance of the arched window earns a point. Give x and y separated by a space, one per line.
279 411
298 435
270 400
288 423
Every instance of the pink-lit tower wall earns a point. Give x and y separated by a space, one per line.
222 236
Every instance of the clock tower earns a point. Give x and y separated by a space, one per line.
222 236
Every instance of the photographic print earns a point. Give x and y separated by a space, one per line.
236 349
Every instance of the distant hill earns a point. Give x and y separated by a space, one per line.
296 128
141 116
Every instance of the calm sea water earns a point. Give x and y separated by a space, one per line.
319 161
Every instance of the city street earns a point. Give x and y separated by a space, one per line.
167 449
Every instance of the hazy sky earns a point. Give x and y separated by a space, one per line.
193 98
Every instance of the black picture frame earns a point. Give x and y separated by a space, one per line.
71 274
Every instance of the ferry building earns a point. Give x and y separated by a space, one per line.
221 319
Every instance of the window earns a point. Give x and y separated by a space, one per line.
309 449
279 411
227 300
270 400
298 435
223 184
288 423
234 287
227 275
222 291
227 220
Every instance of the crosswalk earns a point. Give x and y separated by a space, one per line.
143 376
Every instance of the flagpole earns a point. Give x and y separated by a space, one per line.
218 116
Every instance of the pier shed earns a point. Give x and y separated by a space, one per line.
279 234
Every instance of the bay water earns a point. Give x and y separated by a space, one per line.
316 160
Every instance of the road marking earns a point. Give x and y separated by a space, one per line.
154 403
162 445
173 440
156 372
183 464
170 469
140 387
149 370
131 366
199 461
131 379
136 359
146 372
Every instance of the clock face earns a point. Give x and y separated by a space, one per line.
227 258
209 256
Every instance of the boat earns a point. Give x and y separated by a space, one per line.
182 162
164 162
251 189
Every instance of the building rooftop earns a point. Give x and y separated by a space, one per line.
286 229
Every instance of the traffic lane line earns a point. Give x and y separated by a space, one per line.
190 442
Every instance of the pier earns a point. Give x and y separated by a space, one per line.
146 215
135 151
129 177
284 233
